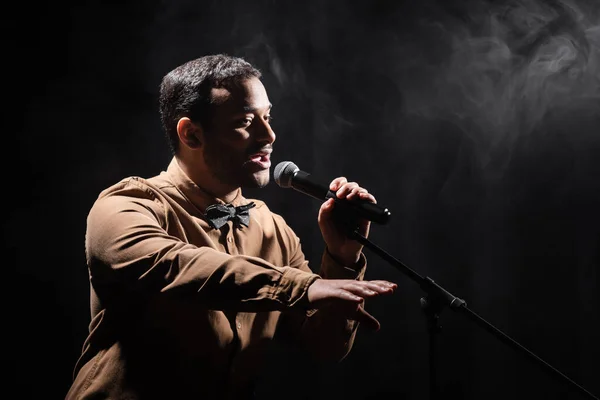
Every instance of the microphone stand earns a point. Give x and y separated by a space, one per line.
433 303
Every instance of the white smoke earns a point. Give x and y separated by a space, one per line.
509 66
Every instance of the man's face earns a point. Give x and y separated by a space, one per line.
239 143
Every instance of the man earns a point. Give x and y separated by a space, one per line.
186 294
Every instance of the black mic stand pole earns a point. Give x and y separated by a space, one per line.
433 303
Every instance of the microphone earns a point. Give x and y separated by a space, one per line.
287 174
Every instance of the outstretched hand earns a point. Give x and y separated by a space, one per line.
348 296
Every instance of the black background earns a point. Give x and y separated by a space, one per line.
475 122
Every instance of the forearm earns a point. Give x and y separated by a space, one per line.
326 332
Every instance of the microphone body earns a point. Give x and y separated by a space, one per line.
287 174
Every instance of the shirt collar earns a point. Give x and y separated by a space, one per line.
199 197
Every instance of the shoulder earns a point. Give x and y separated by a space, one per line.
130 186
127 192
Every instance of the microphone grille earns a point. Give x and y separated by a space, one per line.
284 172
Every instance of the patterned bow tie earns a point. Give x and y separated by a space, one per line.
219 214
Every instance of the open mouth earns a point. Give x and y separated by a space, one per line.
263 160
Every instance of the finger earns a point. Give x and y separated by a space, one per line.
357 192
380 287
366 319
346 188
347 295
384 283
370 288
337 183
363 194
388 287
363 289
368 197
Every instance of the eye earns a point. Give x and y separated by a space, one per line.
269 118
246 121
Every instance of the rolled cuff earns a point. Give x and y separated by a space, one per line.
332 269
293 286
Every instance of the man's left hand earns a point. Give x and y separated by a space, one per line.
340 246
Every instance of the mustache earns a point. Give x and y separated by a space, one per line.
259 149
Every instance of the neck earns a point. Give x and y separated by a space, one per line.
228 196
205 180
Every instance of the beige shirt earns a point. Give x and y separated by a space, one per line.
180 310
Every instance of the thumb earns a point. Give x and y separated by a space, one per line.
325 219
363 317
326 209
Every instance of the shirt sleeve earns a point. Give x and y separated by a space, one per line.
324 333
131 256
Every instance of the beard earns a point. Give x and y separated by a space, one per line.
230 167
257 180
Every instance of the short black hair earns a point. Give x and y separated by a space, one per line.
185 91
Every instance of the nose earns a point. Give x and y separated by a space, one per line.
265 133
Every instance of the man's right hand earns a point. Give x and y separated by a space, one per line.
348 296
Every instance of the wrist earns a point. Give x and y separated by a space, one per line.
343 260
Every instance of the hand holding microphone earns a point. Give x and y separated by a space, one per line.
351 202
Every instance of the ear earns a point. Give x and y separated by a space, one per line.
189 133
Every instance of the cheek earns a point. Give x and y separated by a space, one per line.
233 151
228 154
226 142
237 146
